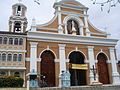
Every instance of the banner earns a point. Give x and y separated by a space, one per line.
79 66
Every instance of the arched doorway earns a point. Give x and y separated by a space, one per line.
78 77
103 68
48 67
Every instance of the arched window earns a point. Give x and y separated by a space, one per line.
21 41
16 41
17 27
5 40
19 11
20 57
0 40
10 41
9 57
15 57
17 74
0 57
3 57
72 27
2 73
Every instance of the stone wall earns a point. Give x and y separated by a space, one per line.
82 88
115 87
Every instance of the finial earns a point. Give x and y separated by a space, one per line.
33 22
56 0
20 0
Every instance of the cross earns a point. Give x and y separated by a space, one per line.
94 70
20 0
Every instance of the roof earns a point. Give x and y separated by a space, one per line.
19 4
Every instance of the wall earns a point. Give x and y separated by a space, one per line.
117 87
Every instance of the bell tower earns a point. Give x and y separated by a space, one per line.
18 21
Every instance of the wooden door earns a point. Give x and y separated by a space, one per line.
48 67
103 69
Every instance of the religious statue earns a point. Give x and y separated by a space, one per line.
73 28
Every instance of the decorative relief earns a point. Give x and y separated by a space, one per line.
12 64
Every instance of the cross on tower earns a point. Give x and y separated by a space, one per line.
20 0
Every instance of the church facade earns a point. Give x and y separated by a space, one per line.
68 42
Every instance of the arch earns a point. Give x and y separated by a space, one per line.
48 67
1 40
77 51
17 27
103 53
2 73
19 57
5 40
102 66
75 18
10 41
4 57
9 57
17 74
16 41
20 41
15 57
78 76
0 56
49 50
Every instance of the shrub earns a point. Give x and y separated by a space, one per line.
10 81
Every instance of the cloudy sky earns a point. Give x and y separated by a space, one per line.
45 11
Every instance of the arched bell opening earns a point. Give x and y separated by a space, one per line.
17 27
78 76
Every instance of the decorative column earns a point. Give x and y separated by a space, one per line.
9 74
86 25
33 26
12 27
60 29
24 78
115 74
33 56
91 63
81 31
62 60
22 26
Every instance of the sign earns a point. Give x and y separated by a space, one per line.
79 66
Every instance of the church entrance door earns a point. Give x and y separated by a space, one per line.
103 69
78 77
48 68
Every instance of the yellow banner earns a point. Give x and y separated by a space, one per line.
79 66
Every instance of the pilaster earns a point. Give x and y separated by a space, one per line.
60 29
62 61
86 25
91 63
33 56
115 74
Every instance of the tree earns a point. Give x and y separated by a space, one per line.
110 3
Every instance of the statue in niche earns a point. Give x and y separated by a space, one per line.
72 27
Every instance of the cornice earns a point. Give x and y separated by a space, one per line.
71 13
12 50
65 38
13 68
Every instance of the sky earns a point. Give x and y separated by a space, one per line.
44 12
